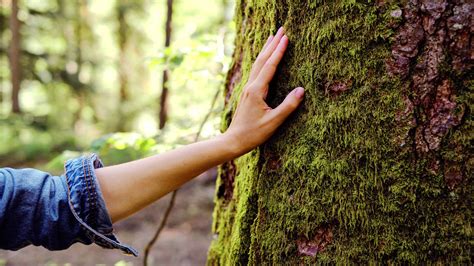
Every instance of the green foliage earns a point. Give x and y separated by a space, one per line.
122 147
112 149
167 58
25 138
72 57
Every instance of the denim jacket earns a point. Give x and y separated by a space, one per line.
55 211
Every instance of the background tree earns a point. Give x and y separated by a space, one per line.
73 54
122 65
14 57
376 165
163 113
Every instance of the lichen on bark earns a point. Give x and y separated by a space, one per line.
376 165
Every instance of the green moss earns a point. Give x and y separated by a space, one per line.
232 223
339 159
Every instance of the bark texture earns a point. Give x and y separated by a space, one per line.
377 164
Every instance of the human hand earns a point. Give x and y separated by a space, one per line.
254 121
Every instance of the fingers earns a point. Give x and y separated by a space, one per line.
269 68
291 102
270 38
266 52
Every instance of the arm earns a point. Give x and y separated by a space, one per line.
131 186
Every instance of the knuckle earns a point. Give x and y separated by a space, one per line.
252 93
249 92
258 85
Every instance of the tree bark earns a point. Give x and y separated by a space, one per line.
163 114
15 67
376 165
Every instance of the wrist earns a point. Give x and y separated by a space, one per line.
234 144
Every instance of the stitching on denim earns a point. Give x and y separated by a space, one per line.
90 194
93 197
95 236
86 185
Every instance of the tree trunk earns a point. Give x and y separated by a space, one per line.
122 43
163 114
15 68
123 64
376 165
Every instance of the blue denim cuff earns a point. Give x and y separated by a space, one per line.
87 204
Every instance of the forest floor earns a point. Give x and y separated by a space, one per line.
184 241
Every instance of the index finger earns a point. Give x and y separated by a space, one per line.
270 67
265 54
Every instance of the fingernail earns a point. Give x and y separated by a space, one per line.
299 92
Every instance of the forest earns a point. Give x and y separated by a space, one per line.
375 165
79 77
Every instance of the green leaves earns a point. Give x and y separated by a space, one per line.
122 147
172 57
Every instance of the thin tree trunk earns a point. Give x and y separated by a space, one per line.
122 41
376 165
163 114
3 28
15 67
122 63
81 16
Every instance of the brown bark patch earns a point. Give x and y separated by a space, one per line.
430 31
226 189
311 247
234 77
273 161
441 117
407 42
460 27
453 176
337 87
433 166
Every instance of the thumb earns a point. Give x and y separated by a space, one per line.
291 102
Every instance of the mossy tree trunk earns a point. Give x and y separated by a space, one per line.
376 165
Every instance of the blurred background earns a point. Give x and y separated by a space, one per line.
124 79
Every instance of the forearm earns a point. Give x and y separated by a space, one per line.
131 186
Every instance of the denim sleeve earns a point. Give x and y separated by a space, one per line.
55 211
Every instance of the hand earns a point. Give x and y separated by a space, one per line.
129 187
254 121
